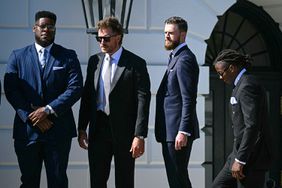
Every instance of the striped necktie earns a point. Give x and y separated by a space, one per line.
43 57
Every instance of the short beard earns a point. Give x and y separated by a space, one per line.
172 45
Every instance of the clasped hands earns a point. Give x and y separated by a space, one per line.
39 119
237 170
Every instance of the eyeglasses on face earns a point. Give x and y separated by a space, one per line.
222 73
47 26
106 38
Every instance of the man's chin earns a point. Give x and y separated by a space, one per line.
169 47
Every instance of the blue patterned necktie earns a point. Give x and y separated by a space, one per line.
43 57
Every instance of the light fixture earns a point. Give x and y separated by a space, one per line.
96 10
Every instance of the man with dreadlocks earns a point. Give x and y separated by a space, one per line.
250 159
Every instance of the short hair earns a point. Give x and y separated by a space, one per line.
180 22
45 14
112 23
232 57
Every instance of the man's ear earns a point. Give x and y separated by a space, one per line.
33 28
233 68
183 35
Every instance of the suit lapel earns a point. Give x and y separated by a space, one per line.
97 72
120 68
51 60
36 68
175 57
35 62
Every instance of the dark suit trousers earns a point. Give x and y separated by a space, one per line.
224 179
101 149
176 163
55 157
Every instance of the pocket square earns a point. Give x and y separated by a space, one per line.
233 100
57 68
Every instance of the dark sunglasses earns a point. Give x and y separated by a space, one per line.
106 39
222 73
49 27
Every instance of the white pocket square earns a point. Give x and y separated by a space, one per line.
233 100
57 68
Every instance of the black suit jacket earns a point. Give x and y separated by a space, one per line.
176 98
129 98
249 121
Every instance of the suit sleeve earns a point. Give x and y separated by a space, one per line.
86 98
250 102
143 99
13 92
187 75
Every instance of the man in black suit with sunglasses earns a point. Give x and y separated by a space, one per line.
115 104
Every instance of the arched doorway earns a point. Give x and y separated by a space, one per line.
250 30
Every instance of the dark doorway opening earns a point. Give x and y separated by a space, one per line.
250 30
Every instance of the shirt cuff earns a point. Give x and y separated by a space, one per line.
241 162
51 109
187 134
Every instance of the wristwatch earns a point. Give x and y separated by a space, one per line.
47 110
141 137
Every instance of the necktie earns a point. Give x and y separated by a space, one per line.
170 57
107 83
43 57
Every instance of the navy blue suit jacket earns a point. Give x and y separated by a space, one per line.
59 86
176 98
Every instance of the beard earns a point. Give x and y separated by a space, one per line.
170 45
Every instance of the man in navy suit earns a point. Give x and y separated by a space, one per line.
251 156
176 124
115 106
42 82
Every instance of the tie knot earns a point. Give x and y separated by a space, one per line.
170 57
108 57
43 51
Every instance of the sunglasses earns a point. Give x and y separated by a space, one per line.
222 73
106 38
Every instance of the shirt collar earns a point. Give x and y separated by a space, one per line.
239 76
177 48
116 56
38 47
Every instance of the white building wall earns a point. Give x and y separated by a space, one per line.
146 39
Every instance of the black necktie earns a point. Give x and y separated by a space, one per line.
170 57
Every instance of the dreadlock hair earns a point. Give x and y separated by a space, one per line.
232 57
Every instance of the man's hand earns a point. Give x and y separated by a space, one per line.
180 141
37 115
83 139
237 170
137 147
39 119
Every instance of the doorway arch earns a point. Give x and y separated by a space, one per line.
249 29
